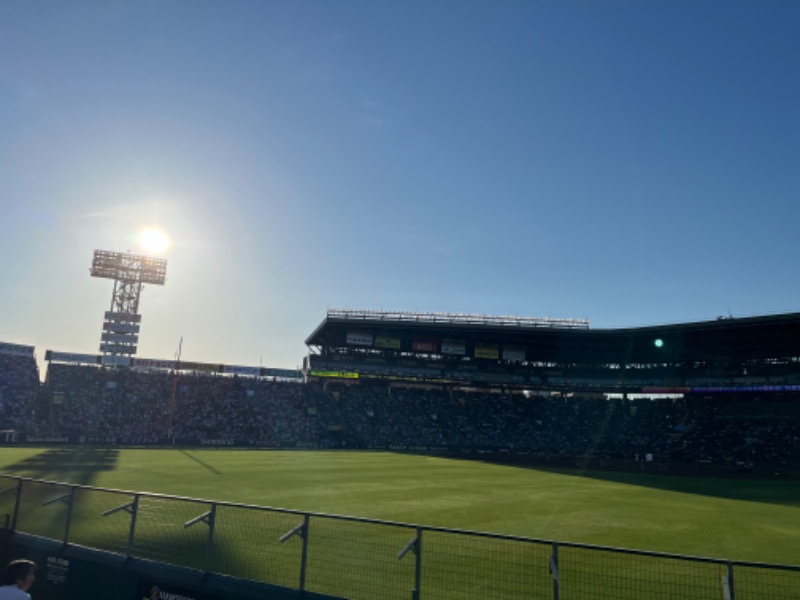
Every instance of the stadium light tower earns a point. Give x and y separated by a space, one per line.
121 324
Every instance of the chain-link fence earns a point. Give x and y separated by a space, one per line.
366 559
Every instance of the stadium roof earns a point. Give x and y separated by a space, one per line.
719 340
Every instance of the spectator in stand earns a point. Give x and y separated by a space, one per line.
18 577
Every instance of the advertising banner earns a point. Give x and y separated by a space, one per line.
235 370
149 363
117 348
16 349
384 341
68 357
283 373
202 367
118 361
424 345
487 351
192 366
359 338
514 354
337 374
158 590
453 347
46 439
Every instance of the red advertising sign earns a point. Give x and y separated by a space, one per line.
424 345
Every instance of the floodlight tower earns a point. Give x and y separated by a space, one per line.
121 323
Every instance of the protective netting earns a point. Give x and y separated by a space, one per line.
247 545
368 560
358 560
91 528
753 583
599 574
460 565
161 536
43 509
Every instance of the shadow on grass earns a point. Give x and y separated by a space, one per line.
769 487
71 465
200 462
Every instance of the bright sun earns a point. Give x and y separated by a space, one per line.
153 240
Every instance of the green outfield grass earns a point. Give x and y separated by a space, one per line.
725 518
740 519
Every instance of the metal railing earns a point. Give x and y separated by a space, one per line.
370 559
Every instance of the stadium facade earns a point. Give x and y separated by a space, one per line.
754 354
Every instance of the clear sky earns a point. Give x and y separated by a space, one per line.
627 162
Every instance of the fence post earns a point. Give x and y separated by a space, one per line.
210 543
418 565
730 581
304 559
554 570
67 525
16 506
134 512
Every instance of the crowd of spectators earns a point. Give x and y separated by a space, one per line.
136 407
717 429
19 389
126 406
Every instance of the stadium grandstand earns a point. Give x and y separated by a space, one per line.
717 392
756 354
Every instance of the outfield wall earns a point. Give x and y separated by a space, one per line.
72 572
101 543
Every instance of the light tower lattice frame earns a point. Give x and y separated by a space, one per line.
121 323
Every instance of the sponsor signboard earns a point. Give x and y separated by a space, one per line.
57 569
158 590
196 366
359 338
46 439
487 351
424 345
149 363
733 389
69 357
453 347
337 374
385 341
235 370
16 349
117 361
514 354
97 439
117 348
283 373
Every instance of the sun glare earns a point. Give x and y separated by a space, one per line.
153 240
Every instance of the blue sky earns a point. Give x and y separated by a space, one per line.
630 163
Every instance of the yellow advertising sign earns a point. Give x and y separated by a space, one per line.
337 374
487 351
384 341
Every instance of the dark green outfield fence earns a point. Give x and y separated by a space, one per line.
120 544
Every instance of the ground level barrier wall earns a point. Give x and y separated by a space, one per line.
105 543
